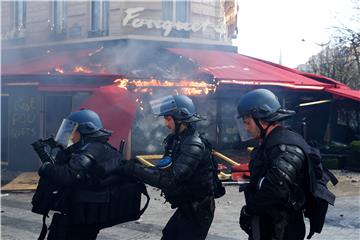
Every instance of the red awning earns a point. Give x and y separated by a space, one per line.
345 92
43 62
305 74
66 88
233 68
76 61
337 88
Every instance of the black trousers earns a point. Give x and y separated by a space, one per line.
294 230
61 229
191 221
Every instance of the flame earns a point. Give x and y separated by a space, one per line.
122 82
59 70
181 87
81 69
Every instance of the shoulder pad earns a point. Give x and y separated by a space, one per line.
287 137
93 150
288 160
193 147
194 140
288 150
81 161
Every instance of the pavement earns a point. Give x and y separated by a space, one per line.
342 223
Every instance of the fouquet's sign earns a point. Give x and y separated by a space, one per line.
133 19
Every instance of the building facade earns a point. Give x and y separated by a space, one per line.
29 23
40 38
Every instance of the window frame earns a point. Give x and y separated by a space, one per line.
19 23
59 23
99 23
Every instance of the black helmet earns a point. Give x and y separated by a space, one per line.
180 107
262 104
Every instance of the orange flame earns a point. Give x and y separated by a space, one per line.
122 82
59 70
181 87
81 69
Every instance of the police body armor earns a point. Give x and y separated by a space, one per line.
201 183
305 190
317 195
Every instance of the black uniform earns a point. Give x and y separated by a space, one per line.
187 185
276 194
87 189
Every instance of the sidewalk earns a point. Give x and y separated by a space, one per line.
342 222
18 222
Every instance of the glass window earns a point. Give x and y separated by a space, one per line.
342 117
229 134
181 11
100 17
59 16
19 14
176 11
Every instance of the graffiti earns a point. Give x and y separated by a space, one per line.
23 104
23 132
23 118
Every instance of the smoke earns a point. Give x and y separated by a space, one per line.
133 60
139 60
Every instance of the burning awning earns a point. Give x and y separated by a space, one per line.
233 68
52 61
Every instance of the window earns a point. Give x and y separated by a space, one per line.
19 15
59 16
99 22
176 11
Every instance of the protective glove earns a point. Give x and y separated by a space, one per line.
245 221
127 167
44 168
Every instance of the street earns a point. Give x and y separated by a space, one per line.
19 223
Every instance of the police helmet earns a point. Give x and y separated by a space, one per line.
88 120
180 107
262 104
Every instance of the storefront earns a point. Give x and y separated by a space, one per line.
118 79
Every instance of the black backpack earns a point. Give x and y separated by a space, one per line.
318 195
219 189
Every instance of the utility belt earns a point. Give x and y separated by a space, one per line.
182 196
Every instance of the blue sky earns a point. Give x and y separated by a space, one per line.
290 28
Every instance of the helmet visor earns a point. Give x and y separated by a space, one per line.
64 134
163 106
244 135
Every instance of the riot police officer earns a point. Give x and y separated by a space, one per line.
275 196
82 174
186 179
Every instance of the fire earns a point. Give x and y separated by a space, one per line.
181 87
59 70
81 69
122 83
